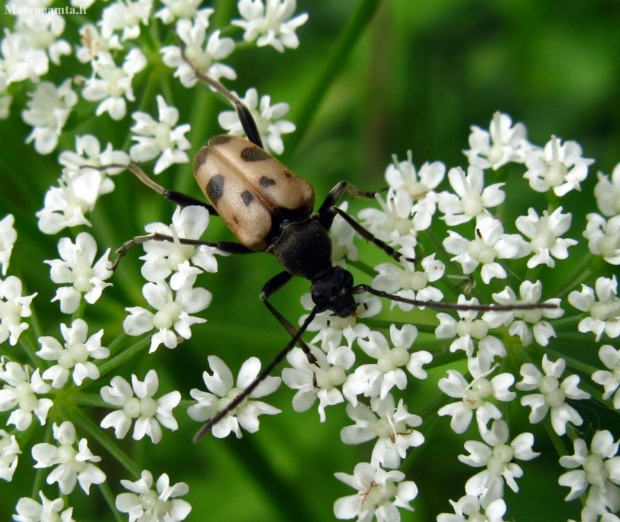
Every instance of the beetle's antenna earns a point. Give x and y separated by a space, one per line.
244 114
260 378
359 289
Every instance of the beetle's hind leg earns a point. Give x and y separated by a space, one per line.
328 211
178 198
244 114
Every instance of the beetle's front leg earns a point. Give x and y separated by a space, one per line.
272 286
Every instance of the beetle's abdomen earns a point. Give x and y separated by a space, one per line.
247 186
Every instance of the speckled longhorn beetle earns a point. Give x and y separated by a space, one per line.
270 209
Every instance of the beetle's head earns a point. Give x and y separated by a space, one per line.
332 292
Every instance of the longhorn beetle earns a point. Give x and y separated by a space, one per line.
270 209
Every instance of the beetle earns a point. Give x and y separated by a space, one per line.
270 209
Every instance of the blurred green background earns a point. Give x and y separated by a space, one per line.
417 76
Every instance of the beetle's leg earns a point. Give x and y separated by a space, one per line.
260 378
178 198
453 306
336 193
326 217
228 247
244 114
272 286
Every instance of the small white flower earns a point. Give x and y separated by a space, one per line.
498 457
72 465
67 204
392 426
471 197
271 24
112 84
76 267
159 138
501 144
376 380
125 15
604 313
265 116
600 472
20 391
176 9
558 167
469 508
146 505
93 44
403 174
393 222
165 257
544 234
205 57
471 331
88 154
224 392
410 283
136 402
552 394
172 312
29 510
474 396
321 378
526 324
13 306
604 237
610 357
607 192
48 110
73 357
331 328
8 236
343 237
42 31
489 243
379 494
19 60
9 451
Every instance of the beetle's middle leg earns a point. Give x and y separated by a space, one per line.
228 247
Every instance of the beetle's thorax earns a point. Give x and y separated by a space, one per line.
303 247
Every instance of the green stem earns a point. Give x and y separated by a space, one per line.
333 65
124 356
109 445
108 495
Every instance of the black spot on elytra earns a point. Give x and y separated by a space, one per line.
215 188
265 182
236 219
247 197
200 158
220 140
288 174
251 154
